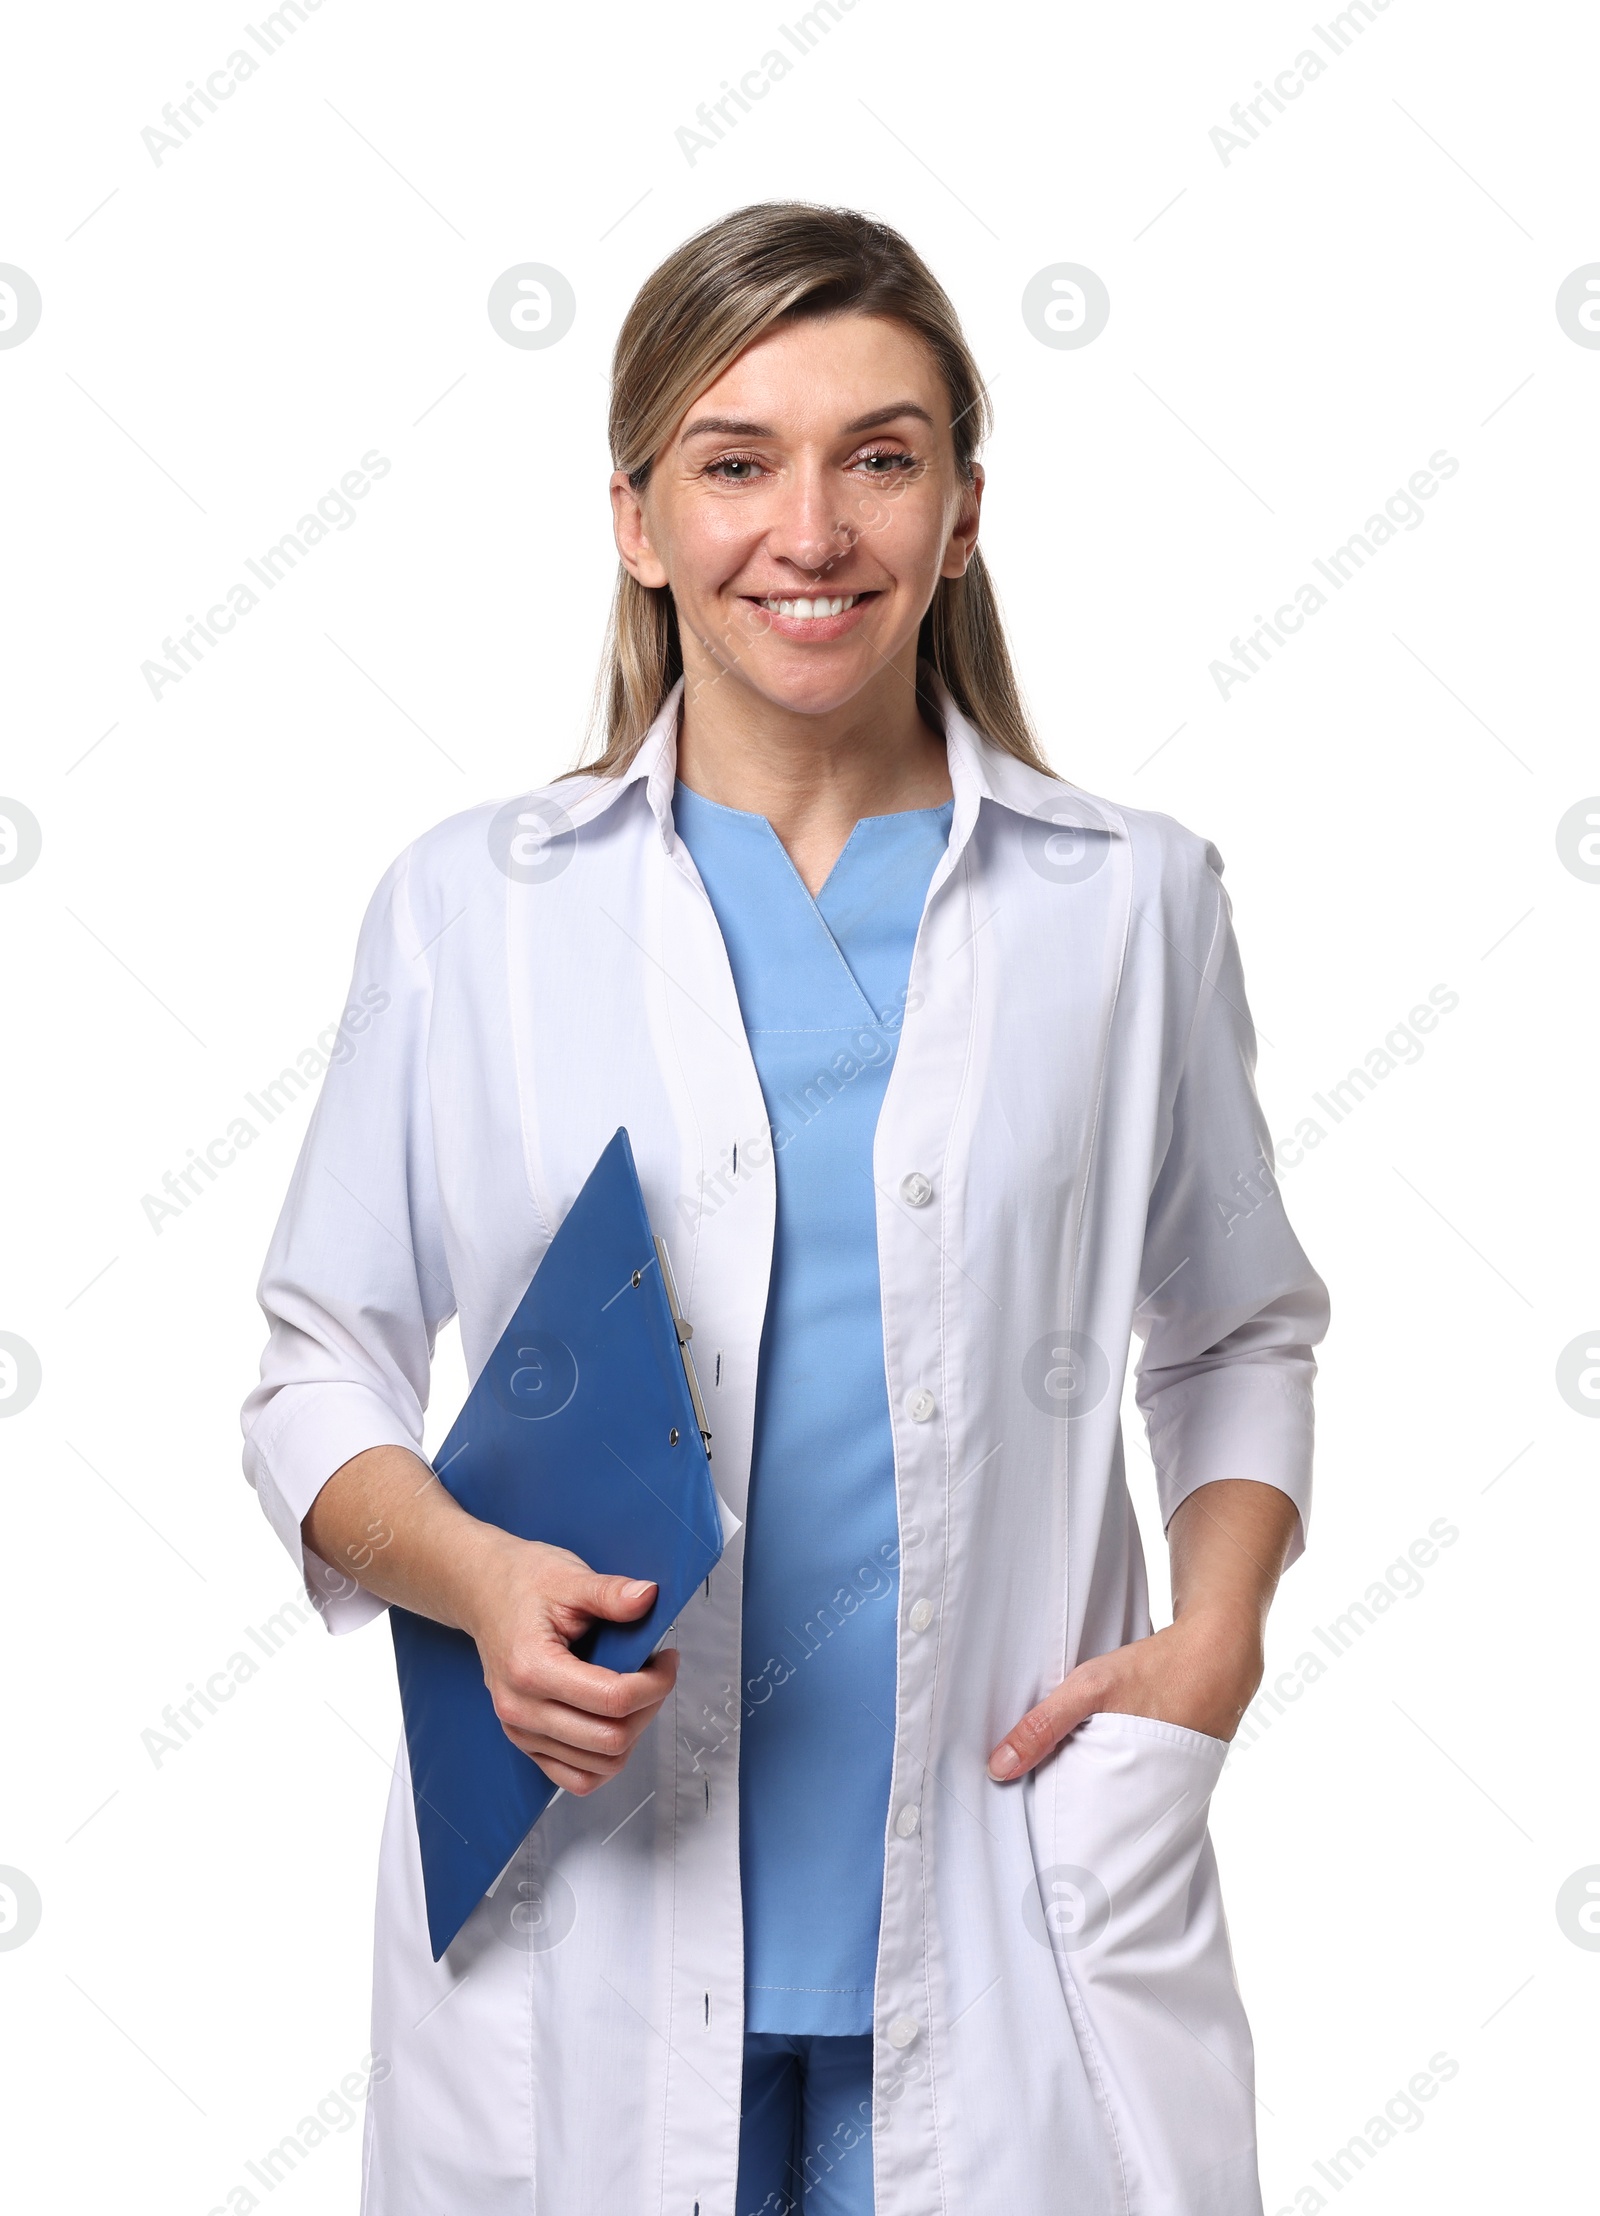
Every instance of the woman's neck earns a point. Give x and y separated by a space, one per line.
813 776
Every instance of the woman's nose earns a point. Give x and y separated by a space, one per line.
811 530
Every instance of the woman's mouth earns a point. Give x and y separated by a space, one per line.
809 610
816 616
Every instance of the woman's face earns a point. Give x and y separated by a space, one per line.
803 513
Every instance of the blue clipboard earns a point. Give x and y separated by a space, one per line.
585 1429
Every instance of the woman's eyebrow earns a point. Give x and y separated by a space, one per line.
737 428
888 415
724 427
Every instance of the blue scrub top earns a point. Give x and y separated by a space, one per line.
822 986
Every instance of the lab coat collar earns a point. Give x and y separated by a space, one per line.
979 771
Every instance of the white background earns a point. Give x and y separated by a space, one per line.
1292 334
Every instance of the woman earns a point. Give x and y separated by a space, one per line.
887 1885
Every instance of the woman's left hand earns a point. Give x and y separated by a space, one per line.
1201 1672
1229 1540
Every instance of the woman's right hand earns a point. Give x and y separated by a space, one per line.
578 1722
384 1519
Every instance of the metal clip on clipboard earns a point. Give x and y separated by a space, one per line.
685 1333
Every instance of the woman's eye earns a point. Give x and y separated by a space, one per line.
887 463
734 469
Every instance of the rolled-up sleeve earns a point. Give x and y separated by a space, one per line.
1230 1308
355 1285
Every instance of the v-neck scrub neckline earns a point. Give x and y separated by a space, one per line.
822 982
699 811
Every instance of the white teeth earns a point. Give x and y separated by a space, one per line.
809 609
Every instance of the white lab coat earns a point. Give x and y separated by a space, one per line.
1058 2031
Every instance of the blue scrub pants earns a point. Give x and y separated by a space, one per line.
805 2134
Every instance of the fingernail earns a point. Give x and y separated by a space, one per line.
637 1587
1003 1762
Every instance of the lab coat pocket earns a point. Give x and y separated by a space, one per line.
1128 1902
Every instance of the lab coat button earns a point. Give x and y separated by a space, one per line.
916 1189
908 1819
902 2031
921 1405
921 1615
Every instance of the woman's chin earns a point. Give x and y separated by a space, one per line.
809 681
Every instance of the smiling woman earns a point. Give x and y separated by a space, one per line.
795 419
907 1908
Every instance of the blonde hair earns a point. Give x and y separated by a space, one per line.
723 289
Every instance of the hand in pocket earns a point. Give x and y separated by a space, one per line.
1200 1673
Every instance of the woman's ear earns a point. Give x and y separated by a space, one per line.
639 557
963 539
